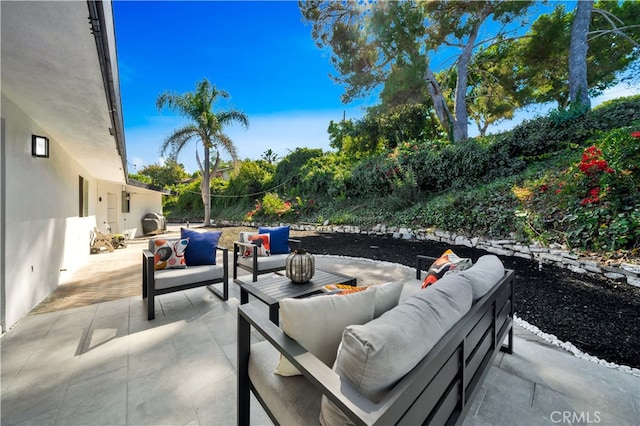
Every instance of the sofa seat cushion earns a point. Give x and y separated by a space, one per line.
292 400
373 357
274 261
168 278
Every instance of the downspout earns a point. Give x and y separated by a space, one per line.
3 242
99 30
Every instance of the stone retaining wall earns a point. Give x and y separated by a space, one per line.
553 255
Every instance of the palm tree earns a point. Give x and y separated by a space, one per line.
269 156
205 127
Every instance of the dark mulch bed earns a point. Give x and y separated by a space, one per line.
597 315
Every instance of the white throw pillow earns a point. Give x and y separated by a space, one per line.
259 242
317 323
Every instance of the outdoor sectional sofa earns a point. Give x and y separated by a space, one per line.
421 362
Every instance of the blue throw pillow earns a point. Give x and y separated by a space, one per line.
201 249
279 238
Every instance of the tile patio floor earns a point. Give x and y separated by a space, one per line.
105 364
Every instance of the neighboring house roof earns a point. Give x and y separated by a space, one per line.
59 65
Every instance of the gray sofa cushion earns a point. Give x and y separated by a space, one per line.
317 322
167 278
410 288
373 357
387 297
486 272
292 400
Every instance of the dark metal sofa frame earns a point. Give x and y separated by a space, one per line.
238 249
440 388
149 291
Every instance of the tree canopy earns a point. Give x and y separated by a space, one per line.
162 175
539 68
369 40
395 46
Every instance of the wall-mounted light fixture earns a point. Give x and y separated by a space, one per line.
39 146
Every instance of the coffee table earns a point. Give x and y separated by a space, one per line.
271 289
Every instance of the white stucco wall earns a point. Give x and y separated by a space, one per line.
141 201
44 236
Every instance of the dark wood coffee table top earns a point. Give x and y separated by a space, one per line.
271 289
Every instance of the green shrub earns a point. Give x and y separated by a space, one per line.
190 197
544 135
250 180
288 176
483 211
374 176
539 137
325 177
219 198
443 167
615 113
501 164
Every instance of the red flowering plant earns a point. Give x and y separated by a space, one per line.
595 168
593 162
593 204
273 206
256 210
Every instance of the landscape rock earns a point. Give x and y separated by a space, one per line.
615 276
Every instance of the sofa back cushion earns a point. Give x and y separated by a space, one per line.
373 357
486 272
317 323
387 297
201 249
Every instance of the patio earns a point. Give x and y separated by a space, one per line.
104 363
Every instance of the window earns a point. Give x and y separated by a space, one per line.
83 197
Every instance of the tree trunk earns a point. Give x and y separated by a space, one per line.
461 122
216 164
578 85
206 186
440 104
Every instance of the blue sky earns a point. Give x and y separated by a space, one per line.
261 52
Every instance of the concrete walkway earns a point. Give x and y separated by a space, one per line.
105 364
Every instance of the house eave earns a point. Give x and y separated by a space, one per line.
63 75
